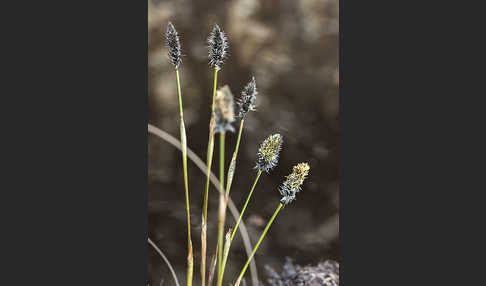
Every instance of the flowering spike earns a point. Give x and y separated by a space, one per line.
293 183
224 113
173 45
248 97
268 153
218 46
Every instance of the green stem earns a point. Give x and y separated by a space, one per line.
179 93
190 259
222 201
242 273
215 84
209 161
227 245
246 204
232 166
221 160
210 152
239 136
231 170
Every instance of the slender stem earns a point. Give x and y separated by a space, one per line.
239 136
215 84
231 171
208 172
221 159
212 266
222 203
242 273
227 245
166 260
210 152
232 166
190 259
246 204
179 93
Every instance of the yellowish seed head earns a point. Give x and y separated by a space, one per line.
268 152
293 182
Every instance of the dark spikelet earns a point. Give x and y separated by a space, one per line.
248 97
268 153
293 183
217 46
173 45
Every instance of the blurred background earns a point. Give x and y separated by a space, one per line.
291 47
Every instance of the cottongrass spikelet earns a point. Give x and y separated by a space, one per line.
224 113
293 183
173 45
218 46
248 97
268 153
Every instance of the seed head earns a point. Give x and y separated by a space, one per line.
173 45
293 183
217 46
268 153
248 97
224 113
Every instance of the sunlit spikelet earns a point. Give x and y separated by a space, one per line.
224 113
293 183
268 153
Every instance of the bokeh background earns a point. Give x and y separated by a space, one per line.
291 47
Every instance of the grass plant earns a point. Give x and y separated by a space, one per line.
221 119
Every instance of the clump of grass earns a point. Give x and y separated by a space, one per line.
288 189
174 52
222 117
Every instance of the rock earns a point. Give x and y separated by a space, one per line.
324 273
